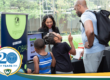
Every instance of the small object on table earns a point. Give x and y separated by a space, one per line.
71 56
80 46
78 52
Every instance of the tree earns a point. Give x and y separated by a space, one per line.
61 8
32 7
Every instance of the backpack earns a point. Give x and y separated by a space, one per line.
103 26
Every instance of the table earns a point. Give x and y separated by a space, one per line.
107 59
105 64
78 66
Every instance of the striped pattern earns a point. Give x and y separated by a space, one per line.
45 64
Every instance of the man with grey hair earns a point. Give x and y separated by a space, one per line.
93 50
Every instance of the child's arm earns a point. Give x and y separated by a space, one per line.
29 71
53 60
36 65
72 51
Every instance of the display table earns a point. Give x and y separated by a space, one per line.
107 59
105 64
78 66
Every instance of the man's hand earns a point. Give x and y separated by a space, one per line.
87 45
70 38
81 55
89 30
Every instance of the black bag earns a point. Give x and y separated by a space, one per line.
103 26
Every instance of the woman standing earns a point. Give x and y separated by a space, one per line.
48 25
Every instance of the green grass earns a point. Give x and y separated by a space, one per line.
76 39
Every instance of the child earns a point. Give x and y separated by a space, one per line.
60 52
43 61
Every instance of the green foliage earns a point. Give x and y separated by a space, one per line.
62 9
32 7
22 6
76 40
91 5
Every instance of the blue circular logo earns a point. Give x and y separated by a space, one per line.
11 57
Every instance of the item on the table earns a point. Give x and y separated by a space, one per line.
80 46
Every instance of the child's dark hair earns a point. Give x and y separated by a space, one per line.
39 44
49 39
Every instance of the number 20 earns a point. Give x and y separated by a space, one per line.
2 57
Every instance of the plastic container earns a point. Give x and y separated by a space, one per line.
80 46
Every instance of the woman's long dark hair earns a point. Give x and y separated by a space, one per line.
44 25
